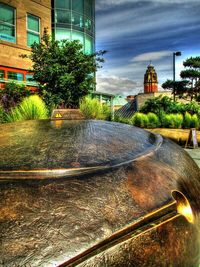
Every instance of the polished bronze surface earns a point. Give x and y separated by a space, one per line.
94 193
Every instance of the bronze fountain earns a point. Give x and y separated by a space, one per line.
93 193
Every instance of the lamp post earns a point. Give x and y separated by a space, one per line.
178 53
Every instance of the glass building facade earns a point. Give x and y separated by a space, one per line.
74 20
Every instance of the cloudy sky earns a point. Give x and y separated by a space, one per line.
137 31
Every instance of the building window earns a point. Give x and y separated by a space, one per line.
62 4
88 45
2 74
7 23
33 30
77 5
15 76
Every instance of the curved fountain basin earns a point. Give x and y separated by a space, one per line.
91 193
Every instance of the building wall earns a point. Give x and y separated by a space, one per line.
10 52
141 98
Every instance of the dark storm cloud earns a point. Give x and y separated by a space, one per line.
128 29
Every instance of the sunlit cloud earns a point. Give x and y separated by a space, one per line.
152 56
117 85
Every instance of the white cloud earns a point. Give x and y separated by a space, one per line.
117 85
103 4
154 56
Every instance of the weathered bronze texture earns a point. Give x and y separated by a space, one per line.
94 193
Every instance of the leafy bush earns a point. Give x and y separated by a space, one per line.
173 120
194 121
193 108
153 120
13 95
31 108
187 120
160 105
139 120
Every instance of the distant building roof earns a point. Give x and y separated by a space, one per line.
127 110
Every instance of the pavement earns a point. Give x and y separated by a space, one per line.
195 154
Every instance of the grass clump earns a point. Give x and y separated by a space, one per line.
194 121
31 108
173 120
93 109
153 120
139 120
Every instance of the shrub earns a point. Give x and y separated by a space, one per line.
91 108
106 110
13 95
187 120
31 108
2 115
194 121
153 120
173 120
118 118
139 120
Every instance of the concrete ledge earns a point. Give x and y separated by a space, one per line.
179 136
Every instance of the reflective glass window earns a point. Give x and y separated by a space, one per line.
88 25
88 45
77 5
33 29
89 8
62 4
62 34
2 73
29 78
78 36
62 16
7 23
15 76
77 20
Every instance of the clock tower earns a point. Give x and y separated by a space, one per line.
150 80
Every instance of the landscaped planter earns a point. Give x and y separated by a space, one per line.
178 135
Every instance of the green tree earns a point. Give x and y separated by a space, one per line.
64 72
192 74
178 87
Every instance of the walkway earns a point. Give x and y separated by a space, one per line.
195 154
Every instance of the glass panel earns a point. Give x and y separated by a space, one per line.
2 73
89 8
78 36
62 4
32 38
15 76
62 34
88 25
77 20
7 27
62 16
88 45
29 78
7 30
33 23
77 5
7 14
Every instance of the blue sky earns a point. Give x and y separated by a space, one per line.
137 31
